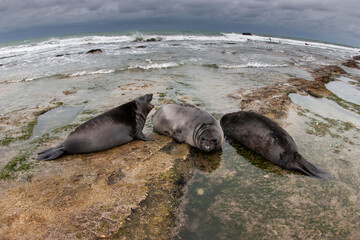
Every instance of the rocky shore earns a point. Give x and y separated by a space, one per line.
129 192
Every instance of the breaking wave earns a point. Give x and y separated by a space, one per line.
253 65
247 65
101 71
154 66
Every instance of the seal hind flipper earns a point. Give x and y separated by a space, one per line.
51 153
302 165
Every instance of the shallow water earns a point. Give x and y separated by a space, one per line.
345 90
239 196
55 118
326 108
246 197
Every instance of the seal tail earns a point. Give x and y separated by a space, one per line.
51 153
302 165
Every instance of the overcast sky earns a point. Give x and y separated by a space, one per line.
326 20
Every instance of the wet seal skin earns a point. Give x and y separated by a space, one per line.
110 129
187 123
266 138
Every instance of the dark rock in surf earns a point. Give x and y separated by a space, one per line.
350 64
94 51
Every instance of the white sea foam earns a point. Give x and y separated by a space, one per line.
101 71
253 65
76 74
81 43
154 66
237 37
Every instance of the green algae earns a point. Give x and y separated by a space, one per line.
253 204
162 95
345 104
172 175
16 164
155 217
6 140
207 162
27 129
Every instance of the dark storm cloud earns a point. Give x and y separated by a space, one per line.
318 19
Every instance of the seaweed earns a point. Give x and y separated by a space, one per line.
18 163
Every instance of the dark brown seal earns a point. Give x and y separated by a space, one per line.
269 140
110 129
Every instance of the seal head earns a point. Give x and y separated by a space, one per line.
208 138
144 104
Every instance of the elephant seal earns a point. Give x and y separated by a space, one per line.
269 140
110 129
187 123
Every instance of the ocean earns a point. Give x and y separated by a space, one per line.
240 198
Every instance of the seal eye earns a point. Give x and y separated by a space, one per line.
214 140
203 139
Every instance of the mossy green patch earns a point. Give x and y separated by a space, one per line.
44 138
172 175
57 104
206 162
155 216
256 159
318 128
89 112
69 91
66 128
345 104
79 236
27 130
162 95
6 140
16 164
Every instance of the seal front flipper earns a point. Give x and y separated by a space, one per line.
178 135
140 135
51 153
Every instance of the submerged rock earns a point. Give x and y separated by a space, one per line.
273 101
350 64
326 74
92 51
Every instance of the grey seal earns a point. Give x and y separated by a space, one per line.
110 129
187 123
266 138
